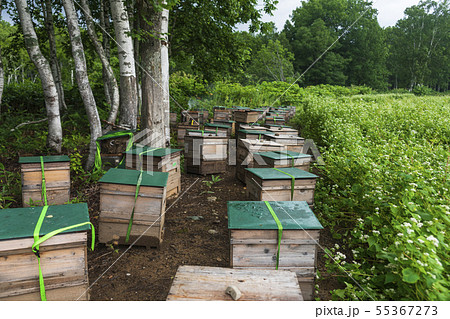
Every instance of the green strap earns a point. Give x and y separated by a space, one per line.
138 186
130 223
98 157
43 186
280 230
287 154
292 181
38 241
217 130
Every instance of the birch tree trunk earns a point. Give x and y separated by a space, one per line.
54 63
155 78
110 78
128 94
54 137
82 78
2 73
104 25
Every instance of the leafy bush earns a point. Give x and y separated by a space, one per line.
384 192
27 96
421 90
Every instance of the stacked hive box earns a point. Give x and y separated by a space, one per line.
112 145
197 116
255 127
293 143
245 154
231 124
157 160
222 113
203 132
254 239
206 154
285 159
210 283
273 184
117 199
173 119
181 132
282 130
246 116
275 120
57 179
63 257
219 127
251 134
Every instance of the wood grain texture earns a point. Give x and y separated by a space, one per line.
210 283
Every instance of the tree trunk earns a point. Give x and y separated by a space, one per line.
54 138
128 94
2 73
54 64
82 78
104 25
110 78
155 78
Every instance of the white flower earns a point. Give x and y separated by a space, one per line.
410 241
399 234
409 230
420 240
433 276
421 263
360 220
375 231
336 246
434 240
397 243
419 225
413 220
430 222
407 225
438 262
426 254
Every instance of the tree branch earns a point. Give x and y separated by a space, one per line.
27 123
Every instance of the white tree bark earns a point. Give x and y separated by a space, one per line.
128 94
54 138
2 73
155 79
82 78
110 78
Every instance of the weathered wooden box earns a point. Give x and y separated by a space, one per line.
219 127
293 143
195 117
246 116
173 119
245 154
63 257
222 114
282 130
275 120
248 127
210 283
228 123
57 179
157 160
271 184
206 154
252 134
112 145
117 199
205 132
254 239
182 131
285 159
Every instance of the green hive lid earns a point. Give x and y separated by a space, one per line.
130 177
283 155
256 132
20 222
270 173
200 131
217 125
256 215
158 152
280 126
47 159
106 137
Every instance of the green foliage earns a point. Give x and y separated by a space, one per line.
384 192
183 87
23 96
10 187
421 90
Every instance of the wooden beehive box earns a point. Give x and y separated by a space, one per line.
210 283
282 130
246 116
222 114
63 257
205 132
206 154
270 184
181 132
248 127
112 148
293 143
254 239
117 197
196 116
245 154
219 127
285 159
157 160
280 120
57 179
173 119
252 134
228 123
